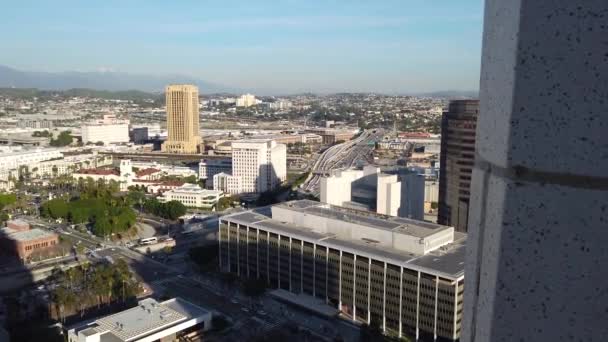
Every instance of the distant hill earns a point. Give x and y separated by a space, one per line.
134 95
452 94
110 81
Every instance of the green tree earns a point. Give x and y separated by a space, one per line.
55 208
7 199
223 204
102 226
174 209
190 179
3 217
63 139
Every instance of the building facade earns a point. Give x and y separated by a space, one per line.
23 242
457 159
208 168
182 119
397 192
192 195
246 100
35 124
13 160
405 275
109 133
260 164
227 183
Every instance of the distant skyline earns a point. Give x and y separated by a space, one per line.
285 46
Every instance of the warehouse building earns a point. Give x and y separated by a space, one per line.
403 274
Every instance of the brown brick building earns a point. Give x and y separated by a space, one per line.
23 242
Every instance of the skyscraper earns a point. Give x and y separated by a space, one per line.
457 158
182 119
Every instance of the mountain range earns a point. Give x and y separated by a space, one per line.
121 81
99 80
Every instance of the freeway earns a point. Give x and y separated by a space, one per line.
343 156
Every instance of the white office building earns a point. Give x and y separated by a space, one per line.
246 100
13 160
227 183
260 164
108 130
192 195
398 193
171 320
388 195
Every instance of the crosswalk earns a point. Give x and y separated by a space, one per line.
269 323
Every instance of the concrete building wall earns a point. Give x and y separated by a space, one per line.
260 164
16 159
337 188
538 217
278 161
106 133
388 195
26 248
431 191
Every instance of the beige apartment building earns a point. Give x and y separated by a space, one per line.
182 119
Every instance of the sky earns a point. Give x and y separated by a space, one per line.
400 46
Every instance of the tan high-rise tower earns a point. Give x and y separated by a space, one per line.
182 119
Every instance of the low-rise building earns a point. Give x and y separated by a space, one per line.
331 136
22 242
167 169
12 160
109 130
405 274
139 135
192 195
172 320
208 168
227 183
18 225
35 124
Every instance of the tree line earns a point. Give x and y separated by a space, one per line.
97 205
171 210
82 288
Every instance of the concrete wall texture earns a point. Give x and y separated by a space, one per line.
538 225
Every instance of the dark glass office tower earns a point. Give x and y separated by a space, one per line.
457 158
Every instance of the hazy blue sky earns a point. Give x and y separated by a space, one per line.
289 45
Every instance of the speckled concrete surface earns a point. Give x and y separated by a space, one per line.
537 264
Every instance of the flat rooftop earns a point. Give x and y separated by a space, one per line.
446 261
28 235
148 317
408 226
188 188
